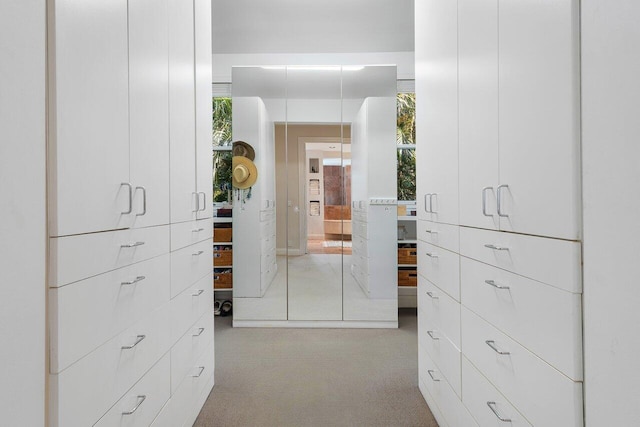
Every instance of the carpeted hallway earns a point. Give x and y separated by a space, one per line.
316 377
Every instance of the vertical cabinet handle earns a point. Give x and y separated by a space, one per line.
492 406
197 202
204 201
484 201
130 188
431 202
141 399
144 201
499 191
427 197
139 339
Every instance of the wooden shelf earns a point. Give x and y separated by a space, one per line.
407 218
221 219
407 265
409 241
225 289
223 243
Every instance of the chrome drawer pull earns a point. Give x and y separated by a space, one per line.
138 341
132 245
432 296
492 406
427 196
135 408
495 285
144 201
134 281
484 201
198 293
197 253
497 248
199 373
492 344
128 185
431 255
200 331
500 187
197 202
430 372
431 232
430 333
196 230
431 202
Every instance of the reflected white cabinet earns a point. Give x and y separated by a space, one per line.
519 117
437 85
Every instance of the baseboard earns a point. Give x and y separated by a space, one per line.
337 324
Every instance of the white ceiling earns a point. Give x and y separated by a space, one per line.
312 26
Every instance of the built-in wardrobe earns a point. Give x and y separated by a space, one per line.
499 209
130 229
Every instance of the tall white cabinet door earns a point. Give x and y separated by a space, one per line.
89 117
182 112
539 117
478 112
149 110
437 109
204 107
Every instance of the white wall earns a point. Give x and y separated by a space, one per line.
611 191
23 219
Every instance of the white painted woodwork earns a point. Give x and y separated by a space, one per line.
186 352
443 235
88 117
190 305
81 399
24 221
203 106
154 386
149 111
544 395
440 310
478 111
539 118
553 333
182 138
189 265
611 185
437 109
90 312
441 267
477 392
74 258
184 234
552 261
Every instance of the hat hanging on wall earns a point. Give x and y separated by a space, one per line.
241 148
243 172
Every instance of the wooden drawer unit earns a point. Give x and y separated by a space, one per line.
544 319
407 276
552 261
443 235
92 311
74 258
190 305
140 405
441 267
223 256
487 405
407 256
544 395
189 265
184 234
222 234
441 311
189 348
87 389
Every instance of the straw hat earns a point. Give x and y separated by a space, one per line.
244 172
241 148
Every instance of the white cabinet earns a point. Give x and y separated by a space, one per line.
519 117
437 94
89 117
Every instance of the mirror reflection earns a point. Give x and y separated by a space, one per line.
315 236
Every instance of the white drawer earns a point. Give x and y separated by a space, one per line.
552 261
87 389
145 399
443 235
267 215
74 258
482 399
190 264
177 410
449 404
268 243
88 313
184 234
359 229
190 305
441 351
267 260
544 319
440 310
541 393
189 348
268 228
431 403
441 267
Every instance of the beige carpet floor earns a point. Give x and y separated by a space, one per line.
316 377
